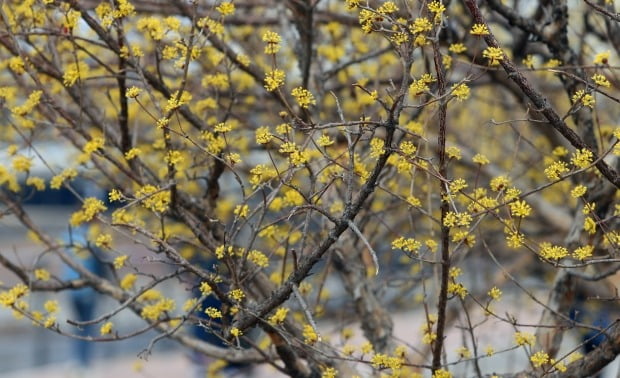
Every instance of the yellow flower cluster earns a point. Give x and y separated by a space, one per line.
539 358
274 79
258 258
453 219
406 244
494 55
33 100
460 91
213 313
303 97
106 328
279 316
153 198
495 293
555 170
552 252
583 253
154 311
226 8
520 209
479 29
377 147
310 335
582 158
273 41
90 208
524 338
9 297
381 361
21 163
585 98
152 26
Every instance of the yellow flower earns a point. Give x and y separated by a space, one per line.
479 29
460 91
236 332
273 40
226 8
42 274
263 135
21 163
539 358
120 261
457 48
237 294
303 97
106 328
585 98
480 159
602 58
324 140
377 147
520 209
495 293
241 211
578 191
279 316
133 92
310 335
213 313
128 281
524 338
582 158
494 55
420 25
274 79
583 253
601 80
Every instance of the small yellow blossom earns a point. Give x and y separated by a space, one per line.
524 338
585 98
133 92
578 191
494 55
42 274
273 41
237 294
377 147
310 335
274 79
520 209
128 281
303 97
106 328
582 158
480 159
120 261
226 8
601 80
539 358
495 293
583 253
602 58
479 29
461 91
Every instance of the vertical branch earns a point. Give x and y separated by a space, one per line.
445 231
123 117
303 17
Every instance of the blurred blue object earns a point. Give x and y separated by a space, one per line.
83 301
